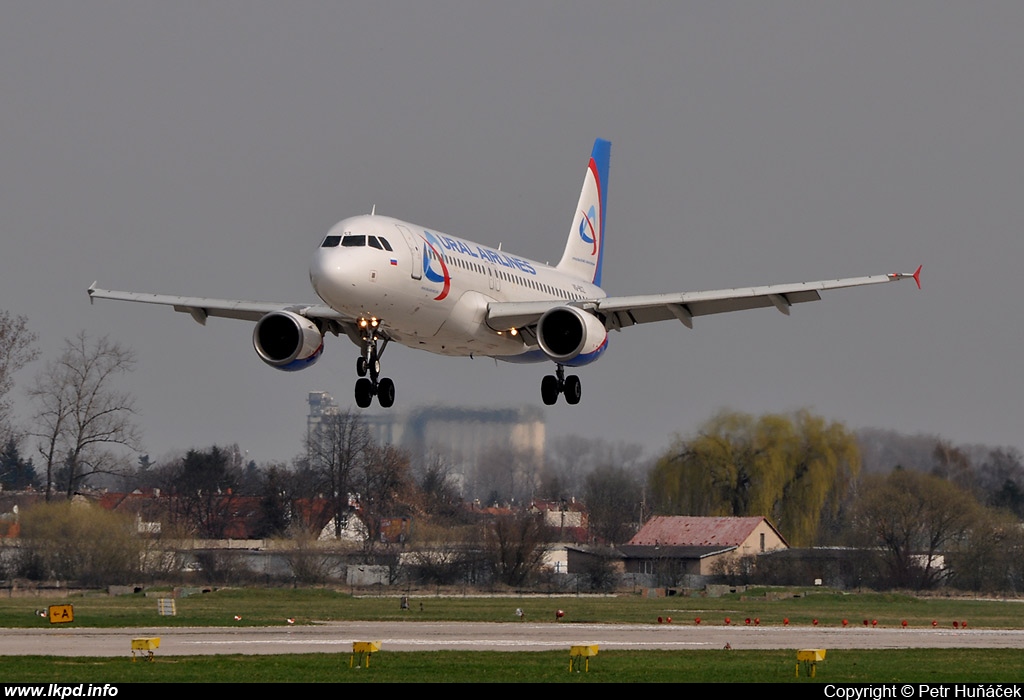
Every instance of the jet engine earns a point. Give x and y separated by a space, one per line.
571 336
287 341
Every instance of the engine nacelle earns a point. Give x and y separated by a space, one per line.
571 336
287 341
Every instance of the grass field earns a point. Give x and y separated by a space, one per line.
841 666
259 607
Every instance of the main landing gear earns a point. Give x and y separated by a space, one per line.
554 384
369 364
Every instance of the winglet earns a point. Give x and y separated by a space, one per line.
92 288
916 275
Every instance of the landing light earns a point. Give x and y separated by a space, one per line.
513 332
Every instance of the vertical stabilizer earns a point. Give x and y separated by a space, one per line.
584 251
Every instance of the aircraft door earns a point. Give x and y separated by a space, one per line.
415 248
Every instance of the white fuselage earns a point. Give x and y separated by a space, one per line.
431 290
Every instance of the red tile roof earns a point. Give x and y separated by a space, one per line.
690 531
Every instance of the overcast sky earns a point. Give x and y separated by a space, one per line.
204 148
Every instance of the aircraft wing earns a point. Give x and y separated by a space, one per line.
200 308
620 312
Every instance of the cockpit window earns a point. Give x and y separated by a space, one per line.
387 246
353 241
374 243
331 242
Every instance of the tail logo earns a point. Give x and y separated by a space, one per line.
587 224
443 278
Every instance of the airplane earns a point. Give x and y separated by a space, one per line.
384 280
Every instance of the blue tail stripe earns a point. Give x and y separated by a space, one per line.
601 155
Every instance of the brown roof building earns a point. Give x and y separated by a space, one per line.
682 545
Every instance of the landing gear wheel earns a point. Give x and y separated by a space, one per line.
549 390
368 363
572 389
364 392
386 393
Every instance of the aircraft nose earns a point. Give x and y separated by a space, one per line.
326 273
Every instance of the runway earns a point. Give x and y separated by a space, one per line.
337 637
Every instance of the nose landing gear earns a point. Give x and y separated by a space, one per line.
369 364
553 385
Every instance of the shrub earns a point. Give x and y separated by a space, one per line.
78 542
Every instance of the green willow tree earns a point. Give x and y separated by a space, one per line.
793 469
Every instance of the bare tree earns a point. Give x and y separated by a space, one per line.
81 418
515 545
337 449
384 486
17 349
914 519
613 496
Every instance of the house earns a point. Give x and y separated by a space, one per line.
677 546
566 519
